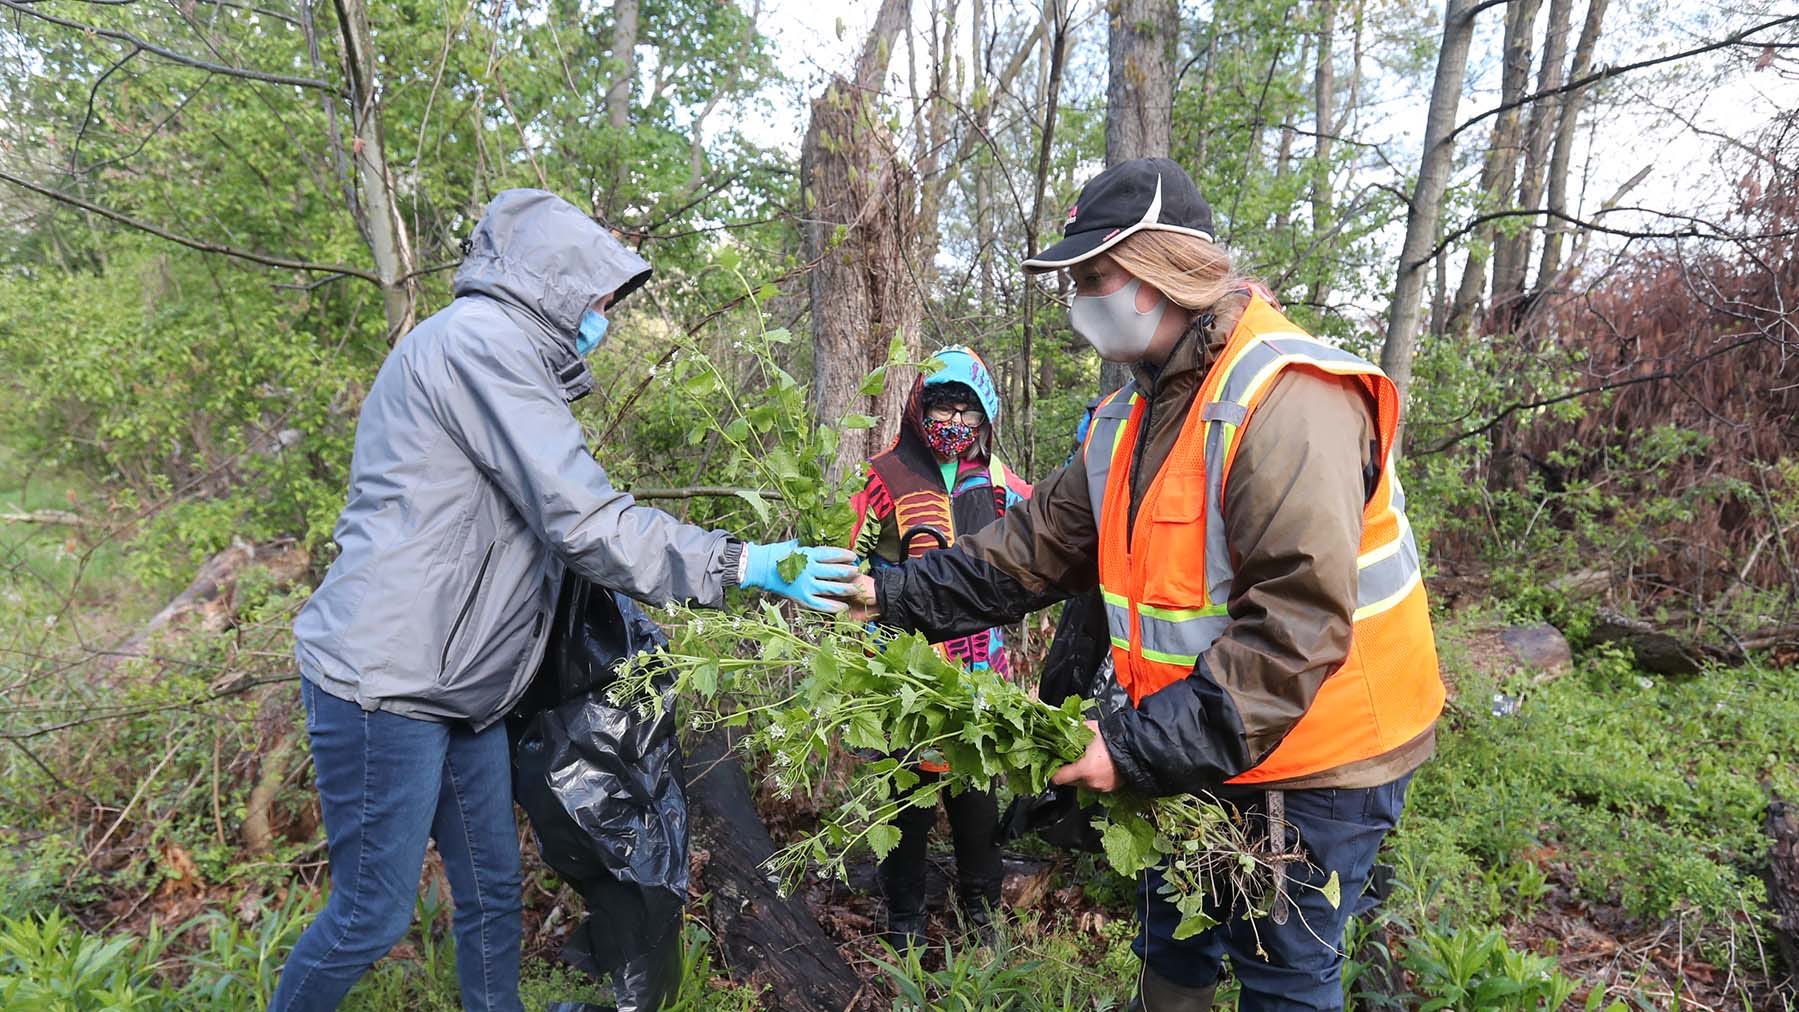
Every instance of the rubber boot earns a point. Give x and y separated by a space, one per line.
903 880
980 874
1156 993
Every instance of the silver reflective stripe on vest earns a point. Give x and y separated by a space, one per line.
1387 574
1169 636
1227 412
1181 641
1223 420
1102 435
1118 619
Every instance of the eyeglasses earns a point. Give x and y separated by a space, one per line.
967 416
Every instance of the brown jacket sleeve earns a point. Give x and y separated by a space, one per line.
1043 550
1293 522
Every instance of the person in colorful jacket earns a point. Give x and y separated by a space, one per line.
940 482
1235 504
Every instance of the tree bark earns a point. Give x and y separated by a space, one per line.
624 58
862 229
1508 288
1139 97
1324 85
1427 196
1562 154
1501 164
1058 51
381 221
771 940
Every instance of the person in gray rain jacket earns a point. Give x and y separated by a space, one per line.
472 492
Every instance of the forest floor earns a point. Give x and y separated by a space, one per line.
1596 823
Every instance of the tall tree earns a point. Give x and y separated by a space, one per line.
1426 210
379 207
1500 168
862 231
1139 95
1512 261
1568 108
1324 86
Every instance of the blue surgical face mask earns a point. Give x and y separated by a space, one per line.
593 332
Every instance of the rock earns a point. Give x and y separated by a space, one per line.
1539 647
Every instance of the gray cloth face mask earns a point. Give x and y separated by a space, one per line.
1112 325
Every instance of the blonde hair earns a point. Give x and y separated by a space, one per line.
1191 272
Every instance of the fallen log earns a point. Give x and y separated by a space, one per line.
771 941
209 599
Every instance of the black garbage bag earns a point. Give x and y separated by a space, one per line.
602 787
1076 665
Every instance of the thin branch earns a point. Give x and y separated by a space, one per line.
1692 232
1654 377
169 54
1618 70
701 492
58 518
202 245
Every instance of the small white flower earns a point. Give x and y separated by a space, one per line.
1643 682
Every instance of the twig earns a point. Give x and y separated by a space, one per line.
700 492
61 518
203 245
169 54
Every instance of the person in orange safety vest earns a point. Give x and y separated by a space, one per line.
1236 506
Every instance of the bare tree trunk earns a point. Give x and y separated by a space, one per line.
1508 288
1324 84
624 56
388 240
1058 51
1500 167
1427 196
862 228
1139 96
1569 108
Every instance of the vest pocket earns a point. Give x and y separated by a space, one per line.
1175 551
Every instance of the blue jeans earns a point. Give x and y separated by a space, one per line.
1300 963
386 784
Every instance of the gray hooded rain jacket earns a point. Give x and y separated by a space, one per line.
471 486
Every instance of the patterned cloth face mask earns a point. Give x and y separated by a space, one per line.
950 438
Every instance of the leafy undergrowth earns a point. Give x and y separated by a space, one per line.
1600 848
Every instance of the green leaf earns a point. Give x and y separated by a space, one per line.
865 731
874 382
857 422
1333 891
779 335
882 839
705 679
1130 845
756 503
766 292
1192 923
792 566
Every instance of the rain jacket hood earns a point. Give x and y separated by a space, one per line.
540 253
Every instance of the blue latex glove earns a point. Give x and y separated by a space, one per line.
826 578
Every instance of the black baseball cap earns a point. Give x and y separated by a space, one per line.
1143 194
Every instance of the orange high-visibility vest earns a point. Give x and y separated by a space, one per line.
1167 582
